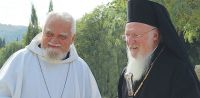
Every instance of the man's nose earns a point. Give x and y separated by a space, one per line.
55 39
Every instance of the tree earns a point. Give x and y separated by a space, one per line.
33 28
50 6
9 49
2 42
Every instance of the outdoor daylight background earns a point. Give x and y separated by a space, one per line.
100 24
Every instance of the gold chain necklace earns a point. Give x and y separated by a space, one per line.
46 82
151 65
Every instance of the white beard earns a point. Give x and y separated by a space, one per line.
137 66
53 54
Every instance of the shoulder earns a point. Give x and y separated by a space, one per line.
82 70
20 54
121 78
123 72
81 65
15 61
121 83
179 68
169 60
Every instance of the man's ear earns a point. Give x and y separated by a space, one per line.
73 38
156 35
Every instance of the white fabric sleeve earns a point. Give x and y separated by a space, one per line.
10 77
5 77
92 90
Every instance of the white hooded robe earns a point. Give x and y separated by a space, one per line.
21 76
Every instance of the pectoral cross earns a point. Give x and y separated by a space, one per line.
129 82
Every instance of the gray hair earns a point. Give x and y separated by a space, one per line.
65 17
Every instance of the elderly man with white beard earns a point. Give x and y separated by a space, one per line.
49 67
158 65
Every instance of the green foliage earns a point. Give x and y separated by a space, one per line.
2 42
99 43
50 6
9 49
33 28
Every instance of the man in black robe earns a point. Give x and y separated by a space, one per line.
158 65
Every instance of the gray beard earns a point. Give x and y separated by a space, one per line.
137 66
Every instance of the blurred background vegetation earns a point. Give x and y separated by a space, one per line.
99 43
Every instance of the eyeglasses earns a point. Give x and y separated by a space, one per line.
125 37
61 36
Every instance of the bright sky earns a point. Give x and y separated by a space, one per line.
17 12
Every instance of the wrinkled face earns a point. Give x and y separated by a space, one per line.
57 36
141 39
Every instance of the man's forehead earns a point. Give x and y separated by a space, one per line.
135 26
50 30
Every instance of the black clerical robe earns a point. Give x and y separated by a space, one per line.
169 78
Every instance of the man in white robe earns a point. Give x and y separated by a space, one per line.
49 67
